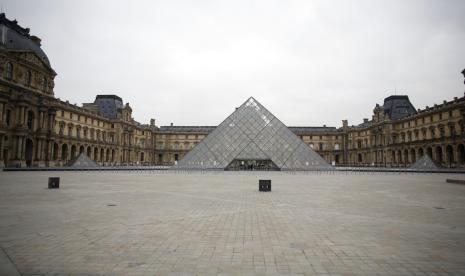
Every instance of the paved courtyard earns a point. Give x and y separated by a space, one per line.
168 223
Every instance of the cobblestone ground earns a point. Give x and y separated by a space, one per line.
168 223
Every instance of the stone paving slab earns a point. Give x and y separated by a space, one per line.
217 223
6 266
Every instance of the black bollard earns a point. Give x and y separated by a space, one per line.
53 182
264 185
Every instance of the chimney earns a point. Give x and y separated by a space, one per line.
152 122
171 124
365 120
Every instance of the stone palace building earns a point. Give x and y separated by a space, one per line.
39 129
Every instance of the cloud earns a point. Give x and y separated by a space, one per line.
308 62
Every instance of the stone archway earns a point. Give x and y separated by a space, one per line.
450 155
64 152
73 151
429 152
420 153
413 156
96 154
438 153
461 154
55 152
29 154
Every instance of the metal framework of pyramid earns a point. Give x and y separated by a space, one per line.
81 161
425 163
252 133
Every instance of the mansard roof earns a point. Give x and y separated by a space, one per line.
398 107
15 37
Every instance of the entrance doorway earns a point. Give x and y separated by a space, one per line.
252 165
29 152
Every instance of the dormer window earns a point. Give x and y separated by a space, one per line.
9 71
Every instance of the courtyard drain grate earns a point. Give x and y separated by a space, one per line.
111 205
439 208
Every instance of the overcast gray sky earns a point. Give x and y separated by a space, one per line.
309 62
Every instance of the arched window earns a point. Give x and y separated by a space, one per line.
9 71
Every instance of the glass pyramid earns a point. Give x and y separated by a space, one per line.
252 136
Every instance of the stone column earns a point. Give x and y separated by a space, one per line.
2 142
455 159
40 153
23 149
49 152
19 146
21 115
2 111
49 121
59 153
3 118
41 120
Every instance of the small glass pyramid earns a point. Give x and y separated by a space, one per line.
252 138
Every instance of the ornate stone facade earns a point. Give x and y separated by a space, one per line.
38 129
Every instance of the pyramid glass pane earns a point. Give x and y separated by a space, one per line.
252 135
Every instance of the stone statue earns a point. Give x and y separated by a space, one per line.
463 73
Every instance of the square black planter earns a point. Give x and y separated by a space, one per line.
264 185
53 182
